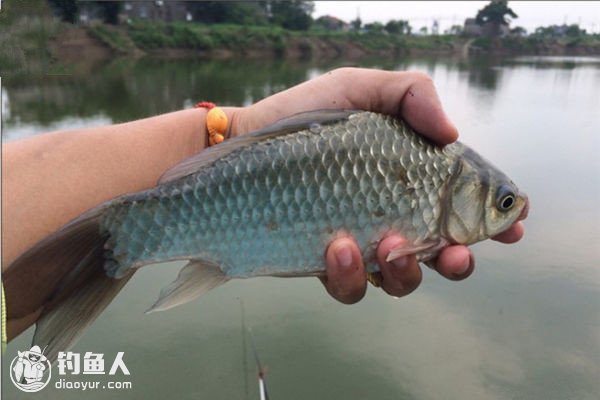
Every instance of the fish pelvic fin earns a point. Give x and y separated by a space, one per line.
194 279
405 249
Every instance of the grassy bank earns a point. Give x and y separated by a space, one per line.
222 40
245 40
581 45
26 31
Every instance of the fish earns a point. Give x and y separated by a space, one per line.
267 203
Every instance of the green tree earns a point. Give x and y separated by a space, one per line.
67 10
292 14
109 10
546 31
356 24
456 30
398 27
234 12
518 31
376 27
495 14
574 31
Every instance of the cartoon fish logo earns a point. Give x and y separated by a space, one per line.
30 371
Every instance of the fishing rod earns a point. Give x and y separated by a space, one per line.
262 383
261 371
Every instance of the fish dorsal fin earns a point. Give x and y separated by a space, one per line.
282 127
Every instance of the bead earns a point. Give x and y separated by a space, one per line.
216 121
217 138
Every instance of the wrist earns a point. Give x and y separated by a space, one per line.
233 123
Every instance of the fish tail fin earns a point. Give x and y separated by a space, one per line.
71 286
61 326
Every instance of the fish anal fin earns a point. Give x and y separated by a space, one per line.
195 278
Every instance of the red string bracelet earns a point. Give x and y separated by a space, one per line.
216 122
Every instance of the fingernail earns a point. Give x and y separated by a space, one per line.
344 257
400 263
466 266
453 129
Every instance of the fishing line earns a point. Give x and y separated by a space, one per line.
244 348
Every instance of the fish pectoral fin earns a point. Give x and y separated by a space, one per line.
409 248
195 278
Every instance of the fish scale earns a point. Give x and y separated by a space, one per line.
272 207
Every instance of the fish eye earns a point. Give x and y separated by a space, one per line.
505 199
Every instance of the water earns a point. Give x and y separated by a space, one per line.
526 325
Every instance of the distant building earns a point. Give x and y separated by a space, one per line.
518 31
435 27
167 11
558 30
331 23
489 30
472 28
89 12
157 10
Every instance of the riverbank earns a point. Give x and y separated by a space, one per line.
228 41
38 41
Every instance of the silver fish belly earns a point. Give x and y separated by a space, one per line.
270 208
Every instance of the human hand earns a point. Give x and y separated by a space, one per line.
409 95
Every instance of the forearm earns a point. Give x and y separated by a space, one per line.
50 179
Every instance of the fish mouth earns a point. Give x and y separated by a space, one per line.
525 209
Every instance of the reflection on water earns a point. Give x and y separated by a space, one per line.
526 325
128 89
554 62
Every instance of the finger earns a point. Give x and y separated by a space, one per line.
422 109
346 277
410 95
400 276
455 262
512 235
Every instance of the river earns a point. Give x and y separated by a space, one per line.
526 325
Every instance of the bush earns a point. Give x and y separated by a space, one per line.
177 35
114 37
483 43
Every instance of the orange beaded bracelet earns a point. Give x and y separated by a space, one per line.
216 122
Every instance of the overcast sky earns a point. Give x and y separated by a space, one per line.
421 13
